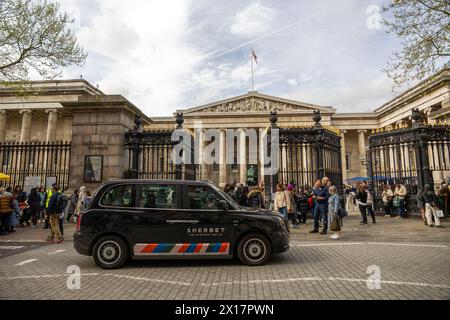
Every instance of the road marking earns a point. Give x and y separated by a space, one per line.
226 283
11 247
327 244
25 262
399 283
407 244
149 279
55 252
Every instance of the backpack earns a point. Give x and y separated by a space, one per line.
255 199
61 203
341 210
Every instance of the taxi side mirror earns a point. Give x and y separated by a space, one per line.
222 205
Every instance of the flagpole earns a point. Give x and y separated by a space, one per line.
251 60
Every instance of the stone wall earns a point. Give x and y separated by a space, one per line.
99 132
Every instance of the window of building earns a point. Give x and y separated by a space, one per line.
119 196
347 162
157 196
201 197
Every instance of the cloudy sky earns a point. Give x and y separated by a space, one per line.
169 55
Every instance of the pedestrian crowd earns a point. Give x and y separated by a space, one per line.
295 203
328 208
48 208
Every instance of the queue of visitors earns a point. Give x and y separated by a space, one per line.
50 208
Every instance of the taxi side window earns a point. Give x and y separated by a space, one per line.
202 198
158 196
119 196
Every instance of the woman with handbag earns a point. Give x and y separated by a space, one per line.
292 214
280 202
334 220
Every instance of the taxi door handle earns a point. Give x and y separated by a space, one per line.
235 222
183 221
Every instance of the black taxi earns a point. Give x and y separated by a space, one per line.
142 219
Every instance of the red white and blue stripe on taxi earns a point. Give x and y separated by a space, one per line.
182 249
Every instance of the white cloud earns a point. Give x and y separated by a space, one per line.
155 53
293 82
253 20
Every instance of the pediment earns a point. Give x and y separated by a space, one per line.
256 103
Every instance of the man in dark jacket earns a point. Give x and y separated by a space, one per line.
302 204
54 213
431 202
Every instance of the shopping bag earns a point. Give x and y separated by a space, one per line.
396 202
440 213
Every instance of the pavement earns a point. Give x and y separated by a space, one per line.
393 259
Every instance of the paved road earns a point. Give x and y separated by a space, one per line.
413 260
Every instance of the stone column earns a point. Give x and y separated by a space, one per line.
343 156
51 124
243 156
222 159
3 116
362 151
261 149
25 133
201 164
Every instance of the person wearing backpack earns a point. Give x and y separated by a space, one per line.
6 210
256 198
54 211
303 205
34 203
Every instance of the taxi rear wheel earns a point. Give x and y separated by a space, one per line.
110 252
254 249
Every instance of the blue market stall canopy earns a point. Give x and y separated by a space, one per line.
357 179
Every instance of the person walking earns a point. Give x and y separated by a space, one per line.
361 202
401 193
34 206
80 204
334 206
303 205
291 208
72 205
14 217
47 201
280 201
370 209
320 195
431 202
6 209
54 213
387 196
421 205
42 196
256 198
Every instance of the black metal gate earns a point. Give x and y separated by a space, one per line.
150 154
412 156
35 159
306 154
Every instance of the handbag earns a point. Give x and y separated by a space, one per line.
336 223
396 202
440 213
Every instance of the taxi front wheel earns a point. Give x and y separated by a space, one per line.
110 252
254 249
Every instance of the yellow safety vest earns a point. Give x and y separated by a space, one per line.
49 195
